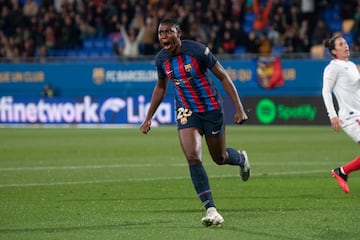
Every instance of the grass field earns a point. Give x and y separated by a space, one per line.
77 183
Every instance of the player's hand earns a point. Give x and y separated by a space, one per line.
240 118
336 123
145 126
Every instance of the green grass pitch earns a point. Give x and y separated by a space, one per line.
102 183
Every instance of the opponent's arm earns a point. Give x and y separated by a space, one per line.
328 86
223 76
158 95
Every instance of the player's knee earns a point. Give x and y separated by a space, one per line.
193 159
220 160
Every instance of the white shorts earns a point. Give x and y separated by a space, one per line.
352 128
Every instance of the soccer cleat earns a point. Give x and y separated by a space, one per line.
341 179
212 218
245 169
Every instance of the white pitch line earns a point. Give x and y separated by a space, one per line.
87 182
153 179
147 165
46 168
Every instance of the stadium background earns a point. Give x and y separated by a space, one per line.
95 82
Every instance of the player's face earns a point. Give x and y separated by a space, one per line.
341 49
169 37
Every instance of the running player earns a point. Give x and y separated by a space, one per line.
199 108
341 77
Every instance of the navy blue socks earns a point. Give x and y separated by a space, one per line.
201 185
234 157
200 179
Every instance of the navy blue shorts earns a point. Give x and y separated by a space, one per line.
209 123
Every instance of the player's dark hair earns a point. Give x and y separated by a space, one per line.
171 21
330 43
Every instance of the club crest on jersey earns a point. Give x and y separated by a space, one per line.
187 67
183 120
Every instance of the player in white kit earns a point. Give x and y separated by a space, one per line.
342 78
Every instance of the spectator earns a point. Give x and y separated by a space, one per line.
273 35
239 35
308 8
42 53
290 41
16 17
228 44
279 20
85 29
58 4
99 16
50 38
47 92
303 33
113 24
253 43
320 33
262 14
265 45
29 48
308 12
37 32
294 17
5 23
70 33
132 40
214 42
227 26
238 10
149 39
30 8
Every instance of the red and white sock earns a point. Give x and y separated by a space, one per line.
351 166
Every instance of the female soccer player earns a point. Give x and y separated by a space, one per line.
199 108
341 77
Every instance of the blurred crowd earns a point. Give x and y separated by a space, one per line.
37 28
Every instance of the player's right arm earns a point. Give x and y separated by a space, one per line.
158 95
329 81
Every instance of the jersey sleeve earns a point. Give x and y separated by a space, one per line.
208 57
329 80
202 53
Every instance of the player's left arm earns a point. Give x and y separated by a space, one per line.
228 85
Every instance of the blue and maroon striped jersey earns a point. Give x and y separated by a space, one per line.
188 71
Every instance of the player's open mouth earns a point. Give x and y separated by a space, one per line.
167 45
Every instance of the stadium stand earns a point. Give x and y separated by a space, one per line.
91 28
